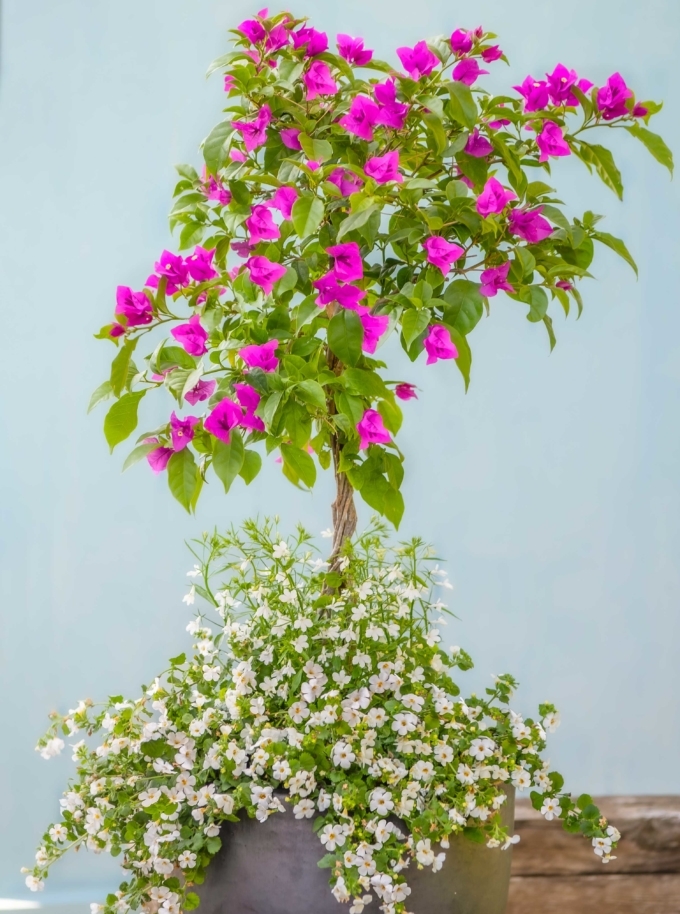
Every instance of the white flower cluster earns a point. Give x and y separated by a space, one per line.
314 694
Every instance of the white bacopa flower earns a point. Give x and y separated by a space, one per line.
521 779
298 711
481 748
380 801
551 722
186 860
211 673
413 702
551 808
465 774
51 748
332 836
304 809
327 534
190 598
602 846
281 550
343 755
341 678
404 722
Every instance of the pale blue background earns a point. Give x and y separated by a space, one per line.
551 488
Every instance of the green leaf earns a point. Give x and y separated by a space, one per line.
603 162
464 360
183 477
616 245
307 215
436 128
365 383
316 150
191 901
327 861
299 465
345 335
228 459
120 366
465 305
413 322
654 144
252 464
462 106
557 217
138 454
287 282
356 220
392 414
214 147
121 419
103 392
537 300
311 392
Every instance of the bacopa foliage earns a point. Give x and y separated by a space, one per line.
340 709
337 208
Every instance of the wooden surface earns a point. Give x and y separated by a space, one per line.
558 873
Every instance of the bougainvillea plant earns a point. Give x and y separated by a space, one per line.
337 708
337 208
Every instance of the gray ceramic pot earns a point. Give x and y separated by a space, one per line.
270 868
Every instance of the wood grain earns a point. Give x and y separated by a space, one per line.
614 894
650 840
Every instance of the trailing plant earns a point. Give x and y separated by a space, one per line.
341 709
337 208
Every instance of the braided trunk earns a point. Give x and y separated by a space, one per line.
343 511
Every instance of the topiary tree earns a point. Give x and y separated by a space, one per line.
343 201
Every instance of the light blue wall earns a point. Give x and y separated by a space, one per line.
551 488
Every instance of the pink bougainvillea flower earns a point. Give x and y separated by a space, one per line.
418 61
551 142
313 41
313 166
374 326
214 190
529 224
438 344
116 330
199 264
406 391
346 181
467 70
261 356
372 429
494 198
182 430
225 416
384 169
352 49
237 156
461 41
535 93
173 267
612 97
361 117
261 226
348 262
319 81
253 30
640 110
278 38
560 84
254 132
478 145
491 54
392 113
242 248
289 137
442 253
495 280
464 178
264 273
249 399
158 458
191 336
135 307
498 123
330 290
564 284
203 390
283 200
229 82
349 296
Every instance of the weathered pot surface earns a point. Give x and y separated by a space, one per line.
271 868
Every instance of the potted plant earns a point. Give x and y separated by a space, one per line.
342 202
